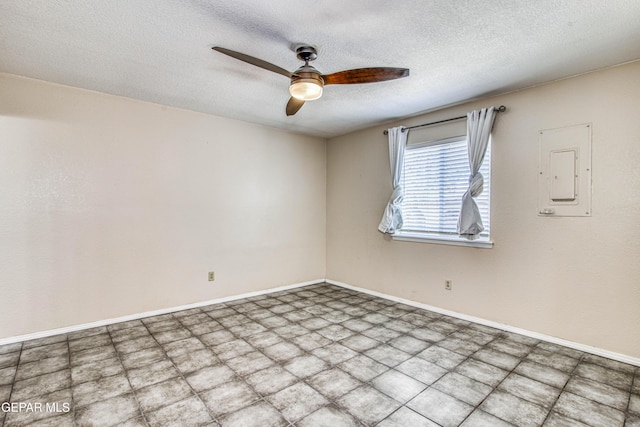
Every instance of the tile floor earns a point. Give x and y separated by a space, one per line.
314 356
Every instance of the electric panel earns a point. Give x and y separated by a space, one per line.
564 182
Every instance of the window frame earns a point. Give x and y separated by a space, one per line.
482 241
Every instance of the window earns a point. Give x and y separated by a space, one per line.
435 176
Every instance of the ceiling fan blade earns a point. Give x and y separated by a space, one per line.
365 75
294 105
253 61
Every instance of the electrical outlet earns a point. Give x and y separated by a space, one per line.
448 285
211 276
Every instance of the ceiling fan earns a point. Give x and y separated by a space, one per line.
307 83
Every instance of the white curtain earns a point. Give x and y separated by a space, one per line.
479 124
392 217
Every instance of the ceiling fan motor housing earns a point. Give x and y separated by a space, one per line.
307 75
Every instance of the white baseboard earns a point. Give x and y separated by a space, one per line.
542 337
75 328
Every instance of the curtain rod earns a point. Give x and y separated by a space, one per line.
500 109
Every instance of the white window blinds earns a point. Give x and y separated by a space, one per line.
436 175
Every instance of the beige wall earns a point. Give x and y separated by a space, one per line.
577 279
111 207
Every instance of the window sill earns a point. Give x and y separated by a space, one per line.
481 242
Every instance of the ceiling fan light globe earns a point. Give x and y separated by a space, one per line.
306 89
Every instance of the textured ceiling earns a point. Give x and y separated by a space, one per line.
160 51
